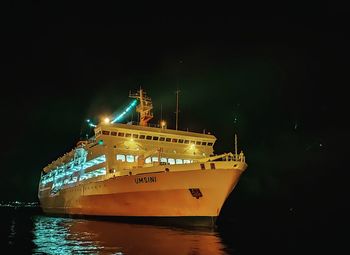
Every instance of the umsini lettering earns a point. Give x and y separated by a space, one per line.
147 179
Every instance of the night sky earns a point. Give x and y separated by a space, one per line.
276 77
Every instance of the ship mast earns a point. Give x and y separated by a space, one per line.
177 108
144 108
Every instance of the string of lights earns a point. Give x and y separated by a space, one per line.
119 117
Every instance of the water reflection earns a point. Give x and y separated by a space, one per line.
76 236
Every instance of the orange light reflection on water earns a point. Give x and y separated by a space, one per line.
70 236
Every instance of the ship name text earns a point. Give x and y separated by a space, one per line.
147 179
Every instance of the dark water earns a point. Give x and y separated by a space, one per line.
28 231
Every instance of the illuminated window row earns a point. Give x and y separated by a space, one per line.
171 161
45 180
70 180
92 174
61 173
127 158
57 185
155 138
93 162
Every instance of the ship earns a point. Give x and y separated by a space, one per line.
139 170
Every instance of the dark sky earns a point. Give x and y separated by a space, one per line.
281 73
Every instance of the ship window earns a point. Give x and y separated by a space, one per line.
181 140
198 143
187 161
104 132
121 157
130 158
142 136
161 138
148 137
186 141
135 135
171 161
120 134
155 138
127 135
210 144
204 143
193 142
174 140
114 133
155 159
168 139
179 161
148 160
163 160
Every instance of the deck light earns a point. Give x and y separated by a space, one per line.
162 124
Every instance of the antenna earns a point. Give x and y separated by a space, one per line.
161 112
236 147
177 108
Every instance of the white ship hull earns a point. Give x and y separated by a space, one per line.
196 193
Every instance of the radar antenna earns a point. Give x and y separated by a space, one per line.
145 106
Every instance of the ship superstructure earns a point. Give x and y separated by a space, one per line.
136 170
